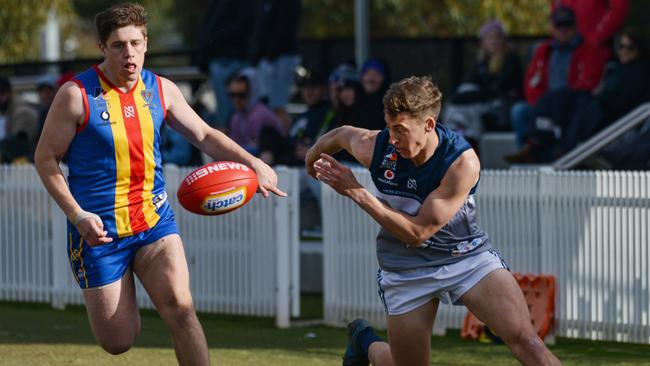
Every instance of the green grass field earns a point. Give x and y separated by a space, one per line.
34 334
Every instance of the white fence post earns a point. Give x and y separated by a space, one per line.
293 179
282 258
60 264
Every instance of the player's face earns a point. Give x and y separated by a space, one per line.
124 52
409 133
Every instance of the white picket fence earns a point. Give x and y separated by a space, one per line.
246 262
588 229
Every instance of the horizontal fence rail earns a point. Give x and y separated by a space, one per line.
244 262
588 229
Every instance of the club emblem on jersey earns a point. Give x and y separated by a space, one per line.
391 154
412 184
147 95
390 158
389 174
105 115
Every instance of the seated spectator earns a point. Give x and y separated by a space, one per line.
597 20
375 80
306 128
18 126
627 83
483 101
253 125
314 122
347 112
626 86
344 71
560 79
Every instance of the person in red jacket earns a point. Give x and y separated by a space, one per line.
565 61
598 20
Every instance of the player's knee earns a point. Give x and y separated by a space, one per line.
116 346
525 339
118 342
177 309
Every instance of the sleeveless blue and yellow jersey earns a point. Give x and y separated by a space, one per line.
115 167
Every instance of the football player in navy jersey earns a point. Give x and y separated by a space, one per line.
429 247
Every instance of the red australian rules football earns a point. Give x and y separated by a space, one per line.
217 188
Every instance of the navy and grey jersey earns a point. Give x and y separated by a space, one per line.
404 187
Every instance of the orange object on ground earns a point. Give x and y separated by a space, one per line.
539 291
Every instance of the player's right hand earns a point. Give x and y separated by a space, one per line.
91 228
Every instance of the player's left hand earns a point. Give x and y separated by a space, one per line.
267 180
335 175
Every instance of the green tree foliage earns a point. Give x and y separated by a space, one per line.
175 23
424 18
20 24
520 17
161 27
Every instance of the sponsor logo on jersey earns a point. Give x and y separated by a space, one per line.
389 174
129 111
412 184
224 201
105 115
159 200
466 247
214 168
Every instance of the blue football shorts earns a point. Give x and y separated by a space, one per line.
95 266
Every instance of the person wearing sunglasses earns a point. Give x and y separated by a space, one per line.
627 83
564 70
253 125
626 86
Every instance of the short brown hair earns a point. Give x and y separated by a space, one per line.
118 16
414 95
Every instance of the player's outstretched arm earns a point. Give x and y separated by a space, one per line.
182 118
65 115
358 142
437 209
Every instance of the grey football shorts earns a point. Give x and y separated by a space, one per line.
407 290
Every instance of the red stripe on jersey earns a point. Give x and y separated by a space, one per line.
161 96
136 158
84 97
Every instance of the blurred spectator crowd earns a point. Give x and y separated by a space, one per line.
587 75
